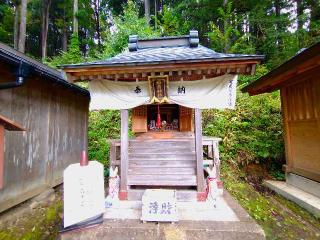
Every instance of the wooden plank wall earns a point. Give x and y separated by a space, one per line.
56 120
301 108
139 119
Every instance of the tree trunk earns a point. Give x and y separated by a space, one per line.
225 26
96 13
44 27
16 26
315 10
314 17
277 5
23 25
300 21
300 8
64 32
75 19
147 10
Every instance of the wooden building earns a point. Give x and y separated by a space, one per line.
165 82
50 115
298 80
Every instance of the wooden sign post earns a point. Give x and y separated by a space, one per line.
5 124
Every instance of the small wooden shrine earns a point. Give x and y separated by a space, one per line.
165 82
299 83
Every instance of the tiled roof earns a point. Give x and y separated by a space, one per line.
14 58
166 50
169 54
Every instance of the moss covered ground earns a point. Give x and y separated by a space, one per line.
280 218
41 223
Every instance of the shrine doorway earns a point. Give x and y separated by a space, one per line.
169 117
173 117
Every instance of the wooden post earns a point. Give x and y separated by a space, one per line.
201 195
1 154
124 154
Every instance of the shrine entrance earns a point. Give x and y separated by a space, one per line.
164 83
162 118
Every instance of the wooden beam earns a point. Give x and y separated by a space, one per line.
305 173
199 153
124 154
160 67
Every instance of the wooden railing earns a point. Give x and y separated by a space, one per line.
115 152
211 153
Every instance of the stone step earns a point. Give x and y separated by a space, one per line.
125 229
182 195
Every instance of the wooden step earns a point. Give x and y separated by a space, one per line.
162 156
161 144
161 163
172 150
162 180
161 170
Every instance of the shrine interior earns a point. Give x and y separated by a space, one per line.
169 115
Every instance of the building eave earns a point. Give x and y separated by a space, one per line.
305 61
14 57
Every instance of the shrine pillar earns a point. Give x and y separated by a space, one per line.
124 154
201 193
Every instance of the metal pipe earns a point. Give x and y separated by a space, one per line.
19 81
21 73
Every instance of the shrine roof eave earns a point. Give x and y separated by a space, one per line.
253 59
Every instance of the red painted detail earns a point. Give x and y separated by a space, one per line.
220 184
123 195
84 159
201 196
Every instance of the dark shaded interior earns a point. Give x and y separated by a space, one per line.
168 112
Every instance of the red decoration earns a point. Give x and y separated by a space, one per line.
158 124
123 195
84 159
201 196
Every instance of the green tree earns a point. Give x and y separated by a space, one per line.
128 23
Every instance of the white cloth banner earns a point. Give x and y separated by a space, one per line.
218 92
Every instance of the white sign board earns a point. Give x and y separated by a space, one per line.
159 205
83 192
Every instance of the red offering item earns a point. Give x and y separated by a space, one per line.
158 124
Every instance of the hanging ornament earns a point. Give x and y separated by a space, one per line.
158 124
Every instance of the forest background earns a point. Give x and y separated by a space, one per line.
70 31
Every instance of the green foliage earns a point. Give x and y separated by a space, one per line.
229 38
170 24
129 23
73 55
103 125
6 23
252 132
